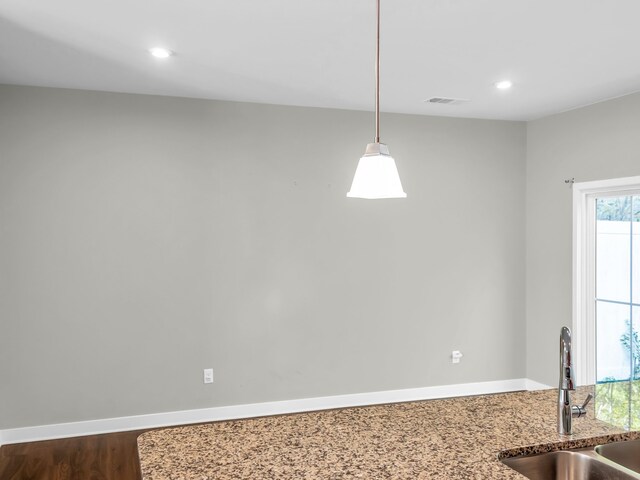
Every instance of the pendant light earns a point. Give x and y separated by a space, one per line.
376 175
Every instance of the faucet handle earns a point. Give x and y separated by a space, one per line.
582 410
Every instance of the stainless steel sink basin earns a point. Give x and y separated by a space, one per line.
626 454
567 465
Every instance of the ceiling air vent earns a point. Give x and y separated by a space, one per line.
446 100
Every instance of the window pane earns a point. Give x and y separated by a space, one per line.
614 209
613 252
618 402
613 361
612 403
635 384
635 405
631 343
635 263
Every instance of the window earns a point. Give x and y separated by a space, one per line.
617 297
607 294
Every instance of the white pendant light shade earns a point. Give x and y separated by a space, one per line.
376 175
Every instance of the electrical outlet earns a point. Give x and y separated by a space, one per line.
456 355
208 375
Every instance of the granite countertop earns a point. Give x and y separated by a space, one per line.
456 438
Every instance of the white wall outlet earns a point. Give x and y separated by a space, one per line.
208 375
456 355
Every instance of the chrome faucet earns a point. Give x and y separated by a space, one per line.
566 411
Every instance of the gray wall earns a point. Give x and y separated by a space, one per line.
145 238
593 143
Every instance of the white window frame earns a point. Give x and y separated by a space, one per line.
584 267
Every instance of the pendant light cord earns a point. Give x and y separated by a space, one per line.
378 73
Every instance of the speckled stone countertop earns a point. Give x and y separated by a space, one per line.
456 438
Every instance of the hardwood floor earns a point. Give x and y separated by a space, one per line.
112 456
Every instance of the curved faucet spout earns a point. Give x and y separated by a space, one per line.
567 377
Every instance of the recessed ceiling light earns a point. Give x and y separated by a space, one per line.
160 52
504 84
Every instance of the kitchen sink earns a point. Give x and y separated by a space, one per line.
569 465
626 454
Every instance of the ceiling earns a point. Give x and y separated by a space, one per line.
559 54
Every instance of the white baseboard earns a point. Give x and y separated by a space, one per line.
533 385
121 424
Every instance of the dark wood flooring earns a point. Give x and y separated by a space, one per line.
112 456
